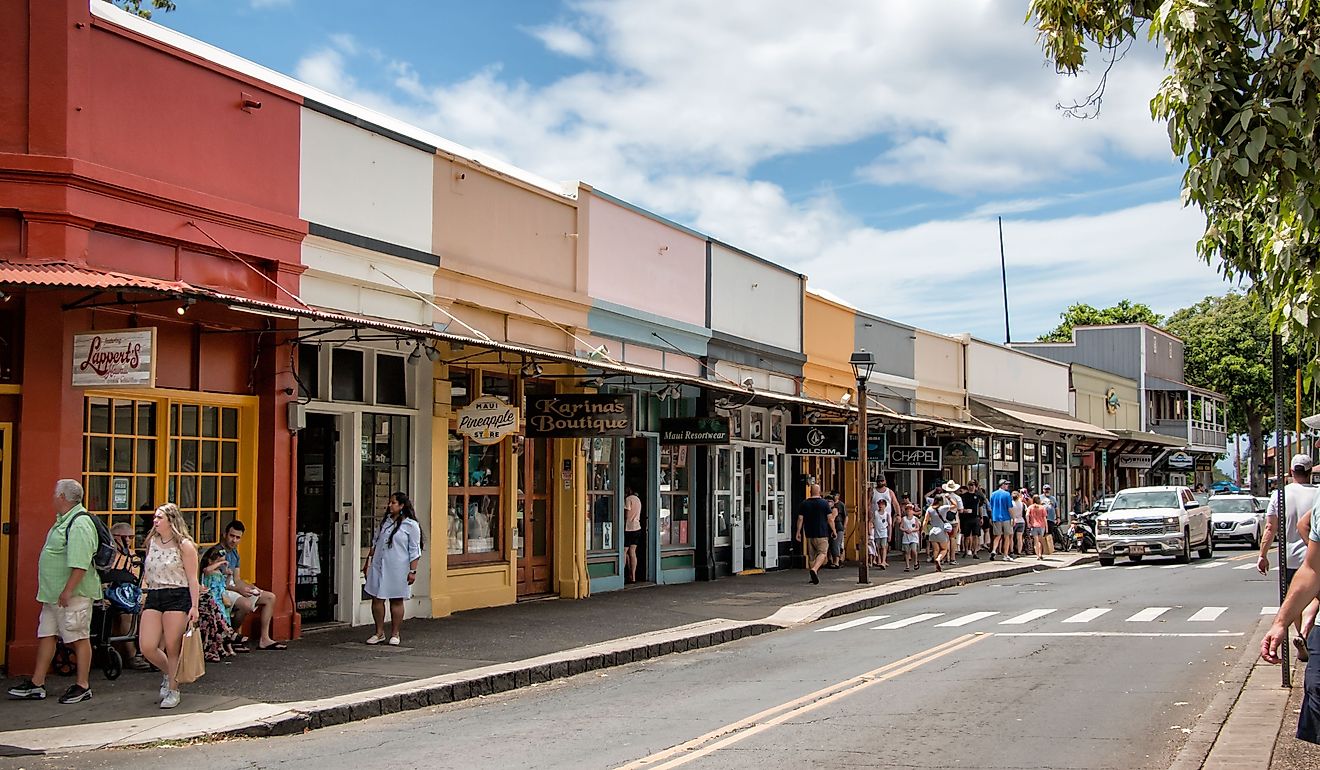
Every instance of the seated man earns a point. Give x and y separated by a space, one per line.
247 597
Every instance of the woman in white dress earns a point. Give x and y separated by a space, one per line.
391 566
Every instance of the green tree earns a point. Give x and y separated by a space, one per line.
144 8
1082 314
1227 349
1242 104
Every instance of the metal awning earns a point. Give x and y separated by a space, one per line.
1056 422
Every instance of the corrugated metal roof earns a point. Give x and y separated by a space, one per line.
69 275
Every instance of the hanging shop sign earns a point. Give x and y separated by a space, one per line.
816 440
915 458
1111 401
1131 460
876 446
487 420
960 453
581 415
694 430
120 357
1181 461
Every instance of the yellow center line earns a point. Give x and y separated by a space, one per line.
764 720
1243 556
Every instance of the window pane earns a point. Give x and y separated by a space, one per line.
187 492
309 371
210 421
722 523
497 385
98 454
460 388
346 375
391 380
188 455
210 463
146 418
206 527
208 493
98 415
456 524
123 459
97 492
229 457
146 455
228 491
455 460
174 419
144 494
483 465
123 418
229 422
483 516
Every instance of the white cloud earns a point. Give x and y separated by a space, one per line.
564 40
270 3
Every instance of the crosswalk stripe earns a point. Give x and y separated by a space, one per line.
1097 569
1138 566
1172 566
1246 566
1086 616
1148 614
1026 617
1208 566
1269 610
965 619
852 623
1207 614
922 618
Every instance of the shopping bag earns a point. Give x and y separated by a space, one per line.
192 661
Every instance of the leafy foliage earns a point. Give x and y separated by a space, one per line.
1242 104
1082 314
144 8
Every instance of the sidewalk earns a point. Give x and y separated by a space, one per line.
330 677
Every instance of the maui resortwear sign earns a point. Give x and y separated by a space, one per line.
122 357
816 440
581 415
694 430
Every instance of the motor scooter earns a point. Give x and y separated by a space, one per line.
1082 530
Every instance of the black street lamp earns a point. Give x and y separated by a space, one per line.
862 363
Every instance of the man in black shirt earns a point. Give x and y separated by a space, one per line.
817 524
973 502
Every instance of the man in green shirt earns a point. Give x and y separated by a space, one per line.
67 584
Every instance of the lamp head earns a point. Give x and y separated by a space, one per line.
862 362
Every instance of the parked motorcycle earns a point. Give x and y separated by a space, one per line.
1082 530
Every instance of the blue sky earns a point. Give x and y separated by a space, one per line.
868 145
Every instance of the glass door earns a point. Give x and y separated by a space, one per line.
770 544
533 526
737 528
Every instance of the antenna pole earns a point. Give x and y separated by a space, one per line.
1003 274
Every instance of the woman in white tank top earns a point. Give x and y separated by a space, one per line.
169 576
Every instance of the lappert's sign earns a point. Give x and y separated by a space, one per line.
487 420
120 357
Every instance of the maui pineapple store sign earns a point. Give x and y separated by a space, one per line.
487 420
118 357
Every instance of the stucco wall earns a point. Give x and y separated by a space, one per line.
642 263
827 328
1011 376
1089 389
755 300
341 277
938 366
363 183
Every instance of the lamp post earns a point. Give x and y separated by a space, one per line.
862 363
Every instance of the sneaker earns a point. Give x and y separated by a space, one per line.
394 641
170 700
974 555
375 639
992 557
25 690
76 694
814 577
164 688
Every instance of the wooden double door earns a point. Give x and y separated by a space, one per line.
534 526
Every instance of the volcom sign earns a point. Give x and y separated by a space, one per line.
487 420
816 440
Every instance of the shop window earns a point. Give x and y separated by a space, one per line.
391 380
1028 451
474 501
126 477
602 496
675 486
346 377
460 388
997 449
497 385
309 371
724 494
1010 451
385 462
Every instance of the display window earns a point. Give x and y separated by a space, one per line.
475 478
675 500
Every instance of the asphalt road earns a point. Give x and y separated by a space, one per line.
1085 668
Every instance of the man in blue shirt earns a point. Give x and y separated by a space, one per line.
1001 525
248 598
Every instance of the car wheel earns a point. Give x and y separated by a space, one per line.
1255 539
1106 561
1207 551
1185 555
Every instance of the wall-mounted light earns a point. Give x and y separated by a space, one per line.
671 392
187 303
532 369
5 296
416 354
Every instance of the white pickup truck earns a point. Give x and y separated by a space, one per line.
1154 521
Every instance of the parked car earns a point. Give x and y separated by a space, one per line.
1155 521
1225 488
1264 503
1238 517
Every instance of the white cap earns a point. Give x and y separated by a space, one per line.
1301 461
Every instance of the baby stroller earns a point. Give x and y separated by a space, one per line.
121 599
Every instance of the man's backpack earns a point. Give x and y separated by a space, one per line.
104 558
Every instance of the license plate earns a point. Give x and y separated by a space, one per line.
1136 550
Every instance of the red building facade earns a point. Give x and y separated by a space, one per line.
141 188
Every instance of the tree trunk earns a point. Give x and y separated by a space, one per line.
1256 452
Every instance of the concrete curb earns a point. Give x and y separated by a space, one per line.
266 720
1209 725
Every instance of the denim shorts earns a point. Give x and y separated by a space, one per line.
169 600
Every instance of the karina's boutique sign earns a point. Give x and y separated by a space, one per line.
580 415
816 440
694 430
115 357
487 420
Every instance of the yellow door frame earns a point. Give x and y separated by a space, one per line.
6 438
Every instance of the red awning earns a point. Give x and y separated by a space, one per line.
63 274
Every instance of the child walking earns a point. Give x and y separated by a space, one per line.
911 529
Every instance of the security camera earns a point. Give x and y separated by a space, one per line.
747 382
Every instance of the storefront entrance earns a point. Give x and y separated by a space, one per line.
535 519
321 519
638 476
757 525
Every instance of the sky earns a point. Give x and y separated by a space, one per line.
870 145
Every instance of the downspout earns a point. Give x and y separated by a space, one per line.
1142 384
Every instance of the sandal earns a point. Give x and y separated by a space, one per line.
139 663
274 646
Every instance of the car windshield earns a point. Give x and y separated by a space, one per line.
1127 501
1232 505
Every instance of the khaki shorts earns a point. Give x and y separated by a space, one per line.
816 547
69 623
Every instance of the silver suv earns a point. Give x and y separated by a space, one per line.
1157 521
